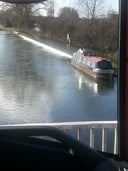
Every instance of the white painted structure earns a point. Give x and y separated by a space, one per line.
80 129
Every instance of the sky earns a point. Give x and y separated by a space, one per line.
110 4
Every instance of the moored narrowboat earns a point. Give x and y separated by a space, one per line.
97 67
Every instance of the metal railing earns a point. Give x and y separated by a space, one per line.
80 127
85 131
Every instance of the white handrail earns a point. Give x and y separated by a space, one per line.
82 126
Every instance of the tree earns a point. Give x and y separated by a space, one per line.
22 15
68 13
90 8
68 18
91 11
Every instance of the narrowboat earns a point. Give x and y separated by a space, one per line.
96 67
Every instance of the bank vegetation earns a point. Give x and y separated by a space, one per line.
91 31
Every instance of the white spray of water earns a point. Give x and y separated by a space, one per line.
46 47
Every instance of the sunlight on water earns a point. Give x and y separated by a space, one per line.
38 88
80 83
48 48
82 80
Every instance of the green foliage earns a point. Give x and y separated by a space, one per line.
112 57
114 65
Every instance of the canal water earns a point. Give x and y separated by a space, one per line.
40 86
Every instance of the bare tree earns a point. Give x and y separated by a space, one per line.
22 15
50 9
90 8
68 13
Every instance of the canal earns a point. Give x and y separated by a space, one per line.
39 86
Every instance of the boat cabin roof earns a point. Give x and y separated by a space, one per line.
95 58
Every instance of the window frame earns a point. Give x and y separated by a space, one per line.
122 99
123 81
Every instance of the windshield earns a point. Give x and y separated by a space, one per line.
38 83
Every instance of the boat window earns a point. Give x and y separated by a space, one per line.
88 62
84 60
93 64
104 64
38 83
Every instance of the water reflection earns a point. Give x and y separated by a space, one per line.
94 85
39 86
22 101
23 92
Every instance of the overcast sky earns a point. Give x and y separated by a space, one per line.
113 4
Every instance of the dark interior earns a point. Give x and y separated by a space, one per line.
23 148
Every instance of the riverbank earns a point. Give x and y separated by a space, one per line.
50 42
